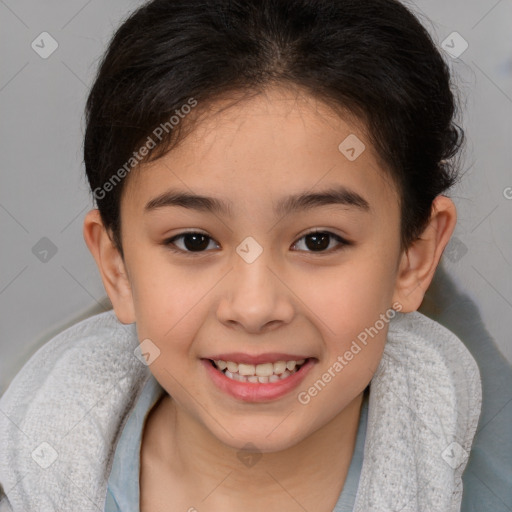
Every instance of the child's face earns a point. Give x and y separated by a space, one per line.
301 298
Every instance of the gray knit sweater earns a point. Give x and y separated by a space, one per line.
62 415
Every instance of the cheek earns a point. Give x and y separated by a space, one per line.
350 296
353 304
169 301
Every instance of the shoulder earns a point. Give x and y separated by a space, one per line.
425 401
75 391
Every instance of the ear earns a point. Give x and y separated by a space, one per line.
111 266
419 262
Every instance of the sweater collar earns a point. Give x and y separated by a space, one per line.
62 416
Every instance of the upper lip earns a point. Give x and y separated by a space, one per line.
238 357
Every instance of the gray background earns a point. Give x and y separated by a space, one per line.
44 194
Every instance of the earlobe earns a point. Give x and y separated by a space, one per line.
419 262
111 266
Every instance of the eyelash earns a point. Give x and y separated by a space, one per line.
169 243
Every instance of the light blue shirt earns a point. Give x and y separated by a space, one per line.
123 482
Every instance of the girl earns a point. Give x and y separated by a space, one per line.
270 180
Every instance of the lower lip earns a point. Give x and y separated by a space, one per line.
256 391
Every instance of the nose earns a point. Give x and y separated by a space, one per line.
255 297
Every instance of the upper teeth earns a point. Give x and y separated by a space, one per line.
259 370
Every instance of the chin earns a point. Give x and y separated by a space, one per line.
260 438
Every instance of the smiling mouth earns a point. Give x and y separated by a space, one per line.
265 373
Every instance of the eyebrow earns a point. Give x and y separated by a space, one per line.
340 196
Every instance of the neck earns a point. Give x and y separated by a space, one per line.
315 467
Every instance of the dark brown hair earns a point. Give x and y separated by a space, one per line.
372 58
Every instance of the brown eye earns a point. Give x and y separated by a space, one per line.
192 242
319 241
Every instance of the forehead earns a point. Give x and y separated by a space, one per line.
275 142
